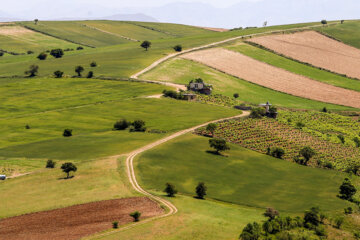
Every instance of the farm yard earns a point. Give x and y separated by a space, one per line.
94 132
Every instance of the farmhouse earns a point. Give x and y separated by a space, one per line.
200 87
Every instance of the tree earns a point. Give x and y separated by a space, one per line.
115 225
29 52
341 138
178 48
307 153
265 24
58 74
57 53
277 152
33 70
36 21
300 125
257 113
121 124
90 74
136 215
312 216
342 21
219 145
79 48
338 222
200 190
323 22
252 231
324 110
271 213
79 70
146 44
139 126
50 164
93 64
1 54
236 95
42 56
211 127
68 167
347 190
67 133
170 190
356 141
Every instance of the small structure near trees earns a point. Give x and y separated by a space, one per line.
270 111
198 85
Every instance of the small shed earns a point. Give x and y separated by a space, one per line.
267 106
2 177
189 96
200 87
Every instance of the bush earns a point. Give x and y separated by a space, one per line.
170 190
356 141
1 54
329 165
68 167
211 127
320 231
67 133
173 94
42 56
93 64
341 138
348 210
312 217
121 124
50 164
58 74
79 48
29 52
178 48
57 53
347 190
136 215
257 113
307 153
338 222
115 225
79 70
236 95
271 213
277 152
90 74
33 70
324 22
200 190
139 126
252 231
27 126
300 125
219 145
324 110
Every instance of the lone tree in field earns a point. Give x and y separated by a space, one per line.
236 95
67 133
200 190
219 145
57 53
178 48
170 190
211 127
79 70
307 153
121 124
90 74
42 56
36 21
93 64
33 70
146 44
323 22
50 164
136 215
58 74
271 213
68 167
347 190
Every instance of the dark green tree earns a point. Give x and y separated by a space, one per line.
356 141
200 190
50 164
57 53
68 167
90 74
277 152
67 133
146 44
219 145
341 138
211 127
178 48
170 190
139 126
271 213
93 64
312 217
347 190
79 70
136 215
252 231
33 70
121 124
36 21
58 74
307 153
42 56
323 22
236 95
257 112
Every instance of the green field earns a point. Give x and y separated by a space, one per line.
243 176
295 67
182 71
349 32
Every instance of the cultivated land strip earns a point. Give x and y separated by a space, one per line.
134 183
117 35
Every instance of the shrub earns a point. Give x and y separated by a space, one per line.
300 125
42 56
320 231
68 167
252 231
211 127
312 217
90 74
257 113
307 153
200 190
33 70
139 126
338 222
329 165
357 235
136 215
79 48
170 190
341 138
348 210
146 45
29 52
324 110
172 94
219 145
50 164
67 133
277 152
1 54
236 95
271 213
58 74
178 48
356 141
57 53
27 126
115 225
121 124
324 22
79 70
347 190
93 64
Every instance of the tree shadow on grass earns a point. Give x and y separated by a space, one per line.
215 153
66 178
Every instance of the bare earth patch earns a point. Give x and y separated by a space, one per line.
77 221
260 73
14 31
216 29
316 49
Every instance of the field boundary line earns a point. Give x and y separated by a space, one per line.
114 34
134 183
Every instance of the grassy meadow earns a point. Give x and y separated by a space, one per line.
182 71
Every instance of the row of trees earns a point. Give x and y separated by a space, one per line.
67 167
200 190
147 44
136 126
34 69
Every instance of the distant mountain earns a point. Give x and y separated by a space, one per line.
131 17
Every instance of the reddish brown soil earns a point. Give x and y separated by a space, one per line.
316 49
77 221
263 74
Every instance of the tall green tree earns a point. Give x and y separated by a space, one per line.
68 167
146 44
200 190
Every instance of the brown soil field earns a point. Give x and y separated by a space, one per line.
216 29
77 221
316 49
260 73
14 31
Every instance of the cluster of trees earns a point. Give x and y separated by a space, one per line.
136 126
173 94
67 167
305 154
220 145
260 112
275 152
200 190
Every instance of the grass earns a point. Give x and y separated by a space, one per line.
94 181
34 41
14 166
196 219
295 67
243 177
348 32
182 71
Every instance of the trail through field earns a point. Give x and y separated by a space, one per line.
161 60
316 49
249 69
134 183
